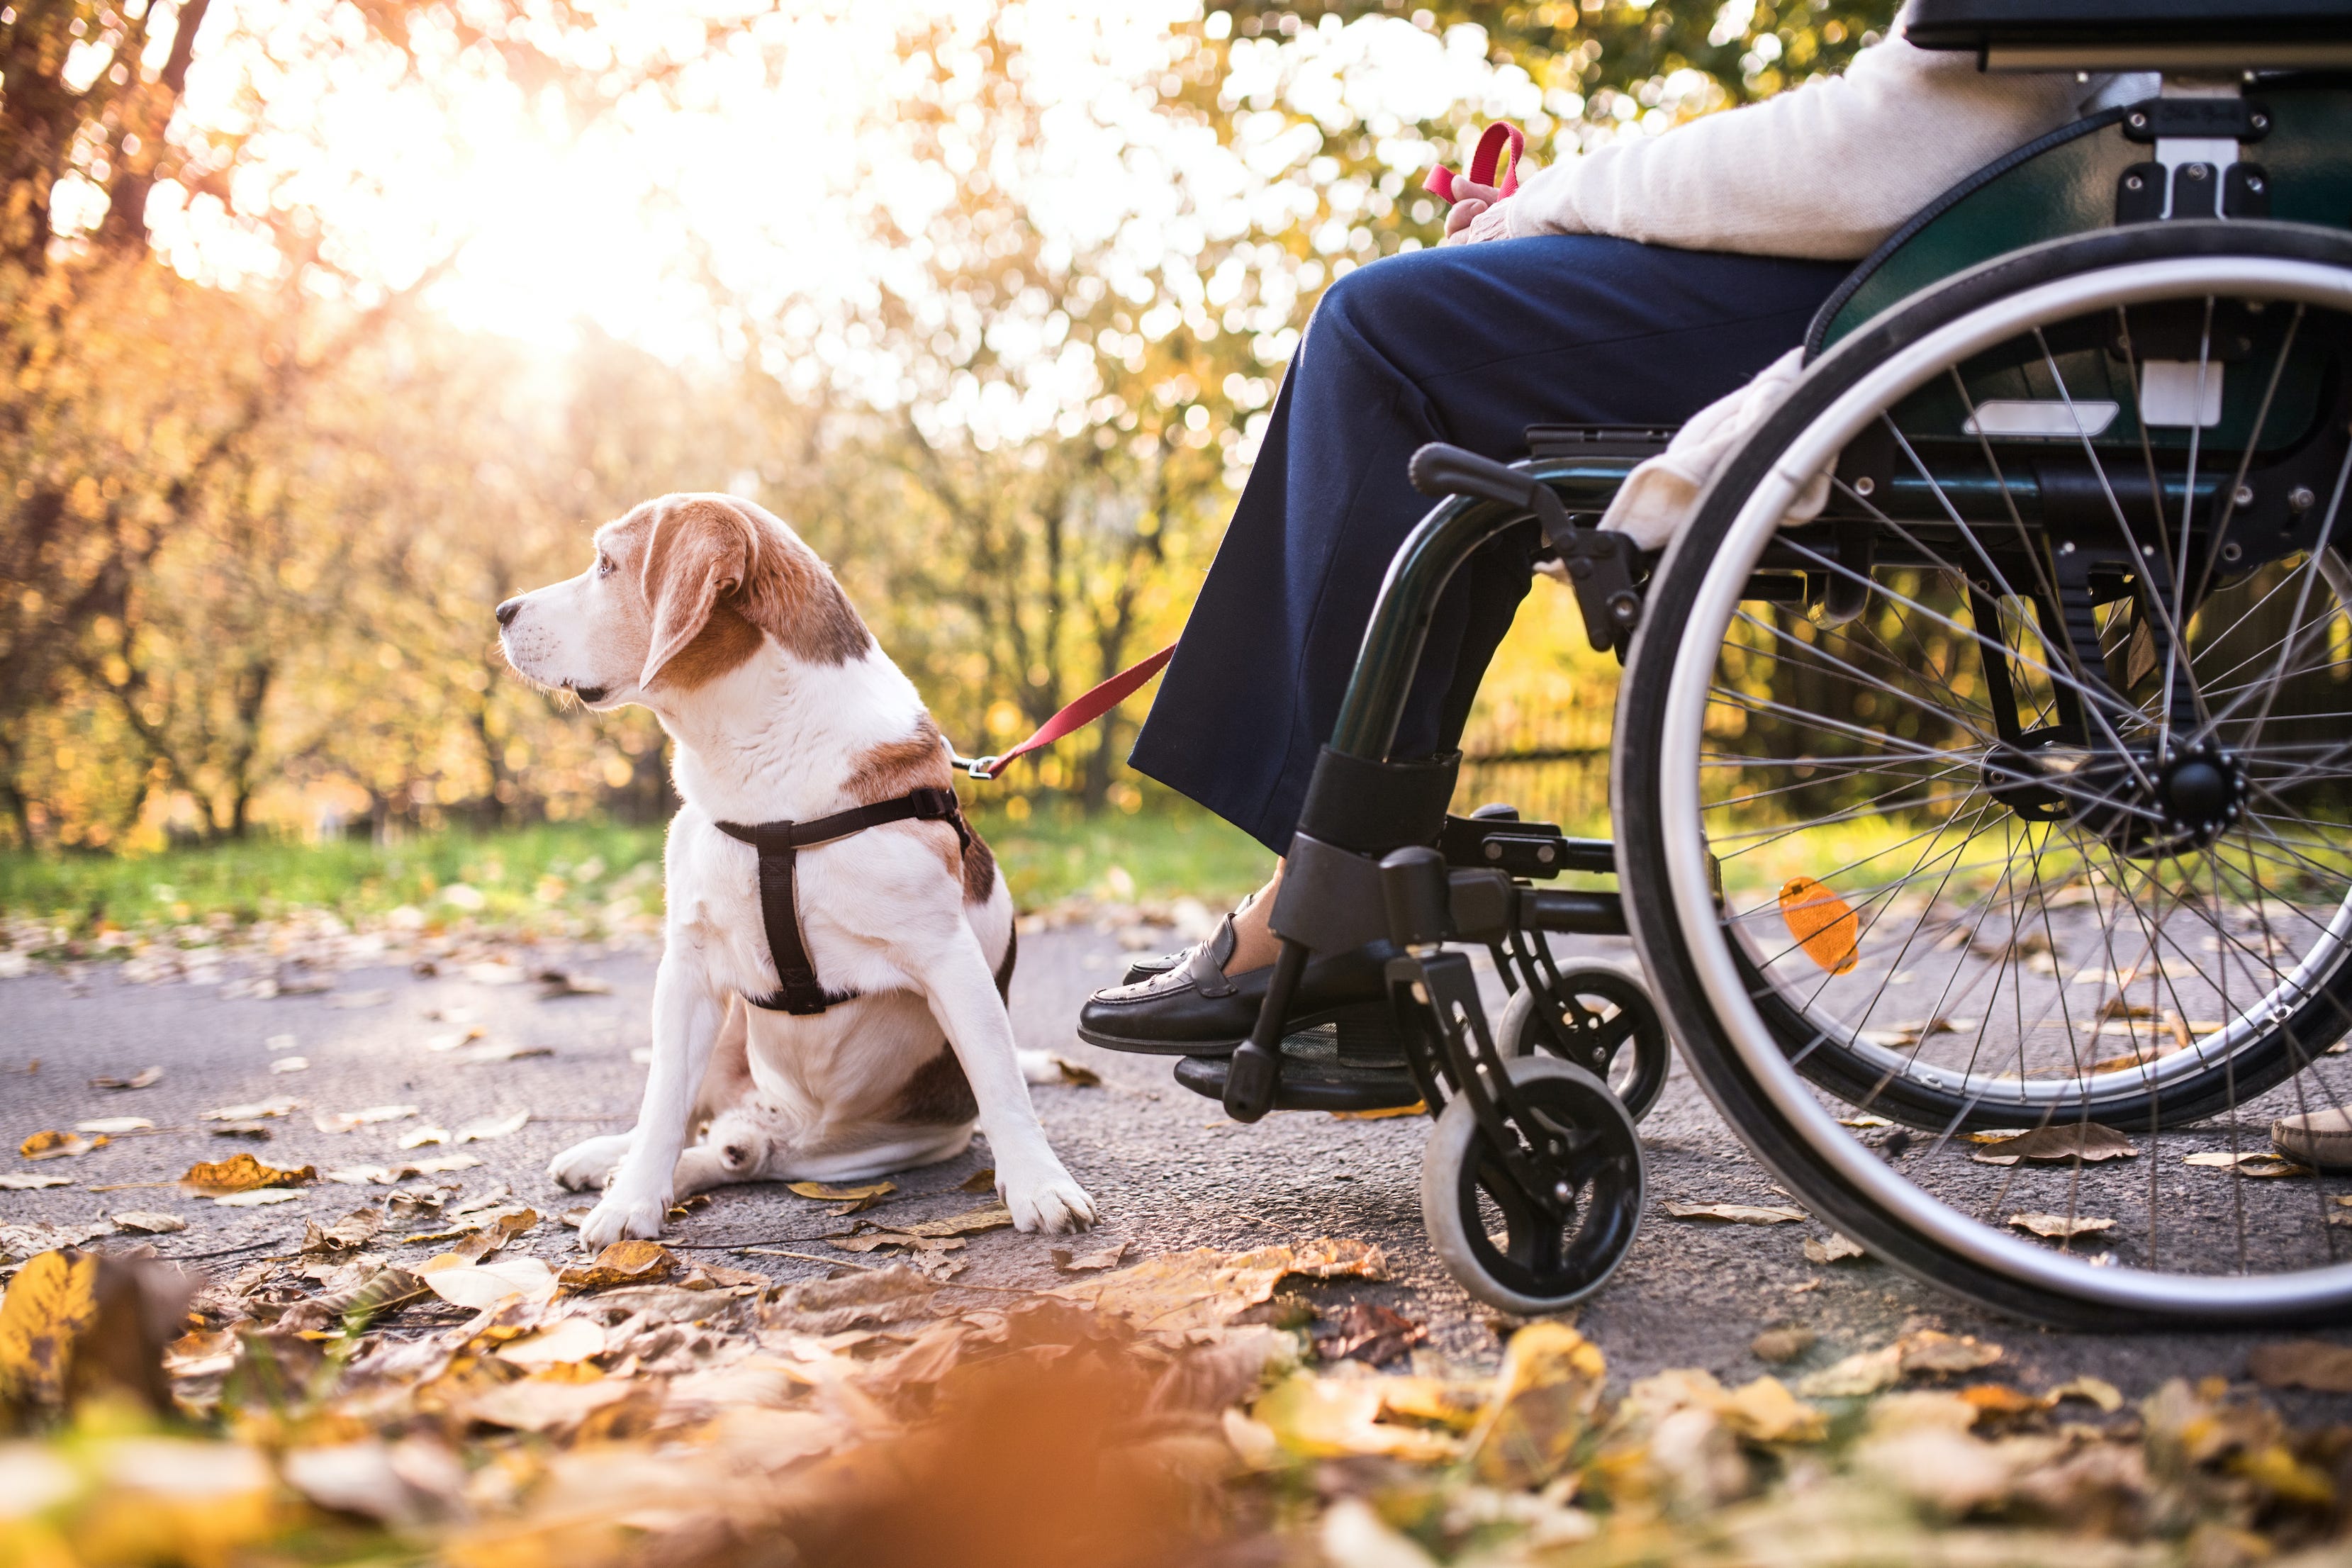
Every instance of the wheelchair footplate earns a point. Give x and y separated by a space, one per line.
1356 1064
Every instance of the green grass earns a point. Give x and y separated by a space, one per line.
562 873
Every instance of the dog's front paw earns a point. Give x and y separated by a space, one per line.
1048 1200
588 1165
619 1216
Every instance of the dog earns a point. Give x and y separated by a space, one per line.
714 614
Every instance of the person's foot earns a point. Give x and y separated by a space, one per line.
1254 944
1205 1007
2319 1139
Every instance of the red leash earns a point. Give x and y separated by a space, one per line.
1076 716
1488 162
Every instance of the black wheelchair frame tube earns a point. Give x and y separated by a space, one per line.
1431 555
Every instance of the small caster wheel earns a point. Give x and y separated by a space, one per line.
1610 1026
1497 1244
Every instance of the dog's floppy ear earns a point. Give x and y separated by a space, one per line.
701 551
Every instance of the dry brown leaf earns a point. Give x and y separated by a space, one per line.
147 1077
540 1405
30 1181
53 1145
1837 1248
2303 1364
1545 1395
147 1222
2085 1141
1366 1331
349 1233
481 1285
623 1263
1763 1410
2059 1227
255 1111
972 1222
1937 1354
2000 1399
258 1197
1067 1262
1776 1347
1738 1213
981 1181
242 1172
74 1324
1865 1372
567 1339
2097 1391
2261 1164
1075 1076
879 1239
831 1194
558 983
1204 1288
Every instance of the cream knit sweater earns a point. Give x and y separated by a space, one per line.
1824 172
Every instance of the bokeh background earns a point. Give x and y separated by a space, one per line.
327 325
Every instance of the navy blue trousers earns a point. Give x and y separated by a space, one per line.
1464 343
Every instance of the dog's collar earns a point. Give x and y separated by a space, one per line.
798 990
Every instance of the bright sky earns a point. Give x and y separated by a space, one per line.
748 165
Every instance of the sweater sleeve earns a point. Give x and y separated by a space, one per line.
1823 172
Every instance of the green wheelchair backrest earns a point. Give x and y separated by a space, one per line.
2066 184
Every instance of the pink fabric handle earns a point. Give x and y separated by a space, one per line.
1077 715
1485 163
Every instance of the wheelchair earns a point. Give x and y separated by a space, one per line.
1982 763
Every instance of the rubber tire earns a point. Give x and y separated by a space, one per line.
1454 1141
1517 1028
1637 771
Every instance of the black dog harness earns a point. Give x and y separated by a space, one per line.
799 991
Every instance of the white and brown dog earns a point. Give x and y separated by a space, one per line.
713 614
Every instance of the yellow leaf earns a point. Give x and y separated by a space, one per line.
243 1173
1322 1418
623 1263
1418 1108
58 1145
1824 925
50 1303
1204 1288
824 1194
1544 1394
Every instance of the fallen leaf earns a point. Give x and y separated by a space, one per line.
882 1238
1822 923
349 999
1836 1249
574 1216
242 1172
981 1181
1418 1108
537 1404
2260 1163
1867 1372
147 1077
2000 1399
1108 1257
115 1126
291 1064
1545 1395
1331 1418
481 1285
451 1042
2097 1391
472 1133
622 1263
2085 1141
1075 1076
28 1181
494 973
555 982
2303 1364
346 1120
258 1198
1863 1120
258 1131
1738 1213
266 1108
2059 1227
1936 1353
349 1233
58 1145
824 1193
565 1341
1776 1346
1763 1410
76 1324
1205 1288
1366 1331
499 1051
147 1222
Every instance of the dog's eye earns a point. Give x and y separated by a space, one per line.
603 565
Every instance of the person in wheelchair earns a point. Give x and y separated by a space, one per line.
1646 284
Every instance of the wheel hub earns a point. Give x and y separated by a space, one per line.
2142 806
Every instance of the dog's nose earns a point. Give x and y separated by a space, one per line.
508 611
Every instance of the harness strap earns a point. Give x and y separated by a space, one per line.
798 990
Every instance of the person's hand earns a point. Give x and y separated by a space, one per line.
1471 201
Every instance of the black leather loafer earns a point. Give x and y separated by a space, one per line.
1196 1009
1140 969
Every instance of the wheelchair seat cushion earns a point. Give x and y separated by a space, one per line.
1990 27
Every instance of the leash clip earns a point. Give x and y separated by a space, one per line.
982 768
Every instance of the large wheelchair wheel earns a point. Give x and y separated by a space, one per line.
2009 801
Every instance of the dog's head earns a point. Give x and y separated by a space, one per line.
682 590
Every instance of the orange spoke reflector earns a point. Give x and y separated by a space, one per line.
1824 925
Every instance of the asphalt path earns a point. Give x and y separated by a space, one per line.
1166 1169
